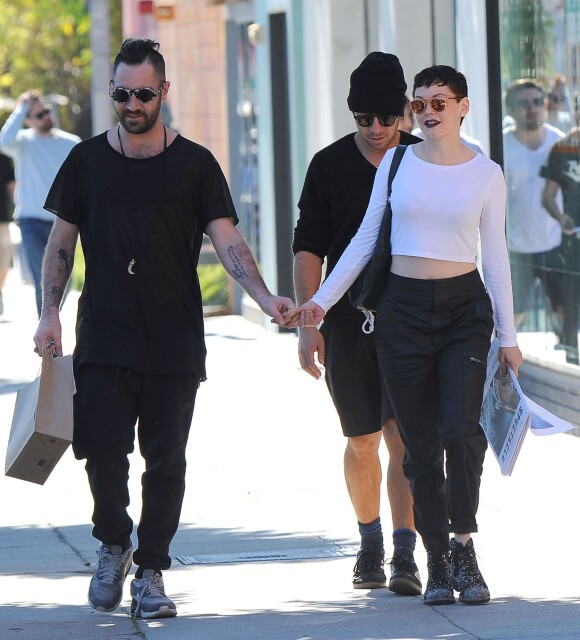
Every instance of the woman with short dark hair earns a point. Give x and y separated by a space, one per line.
435 319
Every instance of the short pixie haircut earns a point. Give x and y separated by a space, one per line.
442 75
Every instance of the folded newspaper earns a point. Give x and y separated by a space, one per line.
507 414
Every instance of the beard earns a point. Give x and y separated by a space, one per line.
533 125
144 124
46 125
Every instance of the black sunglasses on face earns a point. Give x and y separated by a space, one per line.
40 115
144 94
522 103
366 119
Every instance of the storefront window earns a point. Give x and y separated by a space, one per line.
540 47
248 205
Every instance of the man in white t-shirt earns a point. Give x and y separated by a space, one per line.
534 235
38 149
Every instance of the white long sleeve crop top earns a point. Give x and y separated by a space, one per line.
438 212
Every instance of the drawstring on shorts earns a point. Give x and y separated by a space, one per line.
368 326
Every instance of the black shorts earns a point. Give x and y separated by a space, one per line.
353 376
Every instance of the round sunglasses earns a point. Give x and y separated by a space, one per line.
143 94
438 103
366 119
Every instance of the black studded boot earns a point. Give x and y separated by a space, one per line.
467 578
439 588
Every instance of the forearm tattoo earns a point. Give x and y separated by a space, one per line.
63 255
56 294
54 274
238 270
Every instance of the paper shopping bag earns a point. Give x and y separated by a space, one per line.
42 424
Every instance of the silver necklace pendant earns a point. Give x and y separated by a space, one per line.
130 267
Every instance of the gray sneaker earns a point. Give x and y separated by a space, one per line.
106 588
148 599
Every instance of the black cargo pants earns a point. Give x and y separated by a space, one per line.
433 337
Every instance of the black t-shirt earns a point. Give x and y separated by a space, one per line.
564 168
334 199
6 176
144 216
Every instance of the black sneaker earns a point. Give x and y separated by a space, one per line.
106 588
467 578
439 588
148 599
405 579
368 569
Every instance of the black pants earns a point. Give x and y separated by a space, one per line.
108 403
571 285
433 337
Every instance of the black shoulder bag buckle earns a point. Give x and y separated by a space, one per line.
366 290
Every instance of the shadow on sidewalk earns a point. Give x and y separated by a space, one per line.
56 552
195 545
381 615
370 617
243 600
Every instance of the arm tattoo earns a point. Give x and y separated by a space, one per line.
238 270
56 294
63 255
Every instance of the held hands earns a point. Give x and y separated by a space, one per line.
510 357
276 307
307 315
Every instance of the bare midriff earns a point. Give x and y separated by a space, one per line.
428 268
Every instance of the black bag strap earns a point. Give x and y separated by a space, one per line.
395 162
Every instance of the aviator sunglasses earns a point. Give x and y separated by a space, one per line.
144 94
366 120
438 103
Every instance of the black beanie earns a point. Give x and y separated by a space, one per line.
378 86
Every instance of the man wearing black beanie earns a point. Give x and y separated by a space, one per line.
334 198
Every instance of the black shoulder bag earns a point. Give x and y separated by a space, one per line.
366 290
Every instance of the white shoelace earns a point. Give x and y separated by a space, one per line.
109 566
152 585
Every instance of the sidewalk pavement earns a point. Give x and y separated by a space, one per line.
267 537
